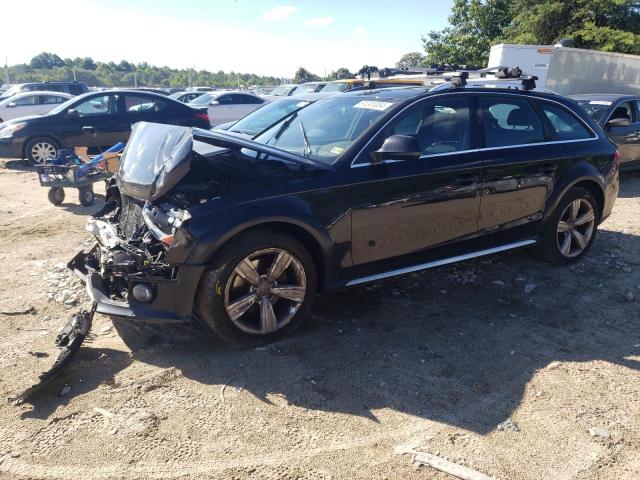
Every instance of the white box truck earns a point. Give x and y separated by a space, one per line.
571 71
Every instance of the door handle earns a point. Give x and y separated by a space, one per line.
89 130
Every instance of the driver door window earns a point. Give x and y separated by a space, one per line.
103 105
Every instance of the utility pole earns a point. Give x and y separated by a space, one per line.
135 79
6 70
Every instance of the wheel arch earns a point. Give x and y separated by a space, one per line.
33 137
318 245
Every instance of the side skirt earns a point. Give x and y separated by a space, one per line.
442 261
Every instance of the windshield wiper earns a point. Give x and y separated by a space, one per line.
307 145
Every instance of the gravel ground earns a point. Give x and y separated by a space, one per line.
516 368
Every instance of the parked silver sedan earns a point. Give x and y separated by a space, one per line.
30 103
223 107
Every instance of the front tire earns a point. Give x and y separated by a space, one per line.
572 228
258 289
41 149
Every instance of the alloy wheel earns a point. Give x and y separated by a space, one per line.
575 228
42 151
265 291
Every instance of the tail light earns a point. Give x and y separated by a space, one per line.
616 157
203 116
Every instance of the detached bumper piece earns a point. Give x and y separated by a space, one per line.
165 307
69 341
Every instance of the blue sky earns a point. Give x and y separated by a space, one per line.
241 35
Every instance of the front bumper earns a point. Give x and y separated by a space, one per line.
172 300
10 149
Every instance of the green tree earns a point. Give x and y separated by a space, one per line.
474 26
411 60
609 25
46 60
303 75
341 74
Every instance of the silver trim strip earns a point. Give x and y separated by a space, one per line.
506 147
438 263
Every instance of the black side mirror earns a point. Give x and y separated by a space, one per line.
398 147
618 122
73 113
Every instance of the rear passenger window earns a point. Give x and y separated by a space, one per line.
565 125
509 122
143 104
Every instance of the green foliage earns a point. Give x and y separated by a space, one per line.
341 74
474 25
609 25
47 66
411 60
303 75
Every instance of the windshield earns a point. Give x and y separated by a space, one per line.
335 87
12 91
281 91
324 130
204 99
266 116
305 89
595 108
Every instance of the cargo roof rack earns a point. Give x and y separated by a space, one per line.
434 70
501 74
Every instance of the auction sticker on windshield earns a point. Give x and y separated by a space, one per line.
599 102
373 105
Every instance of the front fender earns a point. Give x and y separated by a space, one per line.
205 234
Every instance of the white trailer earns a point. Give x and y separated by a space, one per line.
571 71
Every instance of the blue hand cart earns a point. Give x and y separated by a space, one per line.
67 170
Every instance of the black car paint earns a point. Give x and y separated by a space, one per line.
348 216
96 131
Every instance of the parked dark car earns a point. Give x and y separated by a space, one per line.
95 120
186 97
72 88
619 117
240 234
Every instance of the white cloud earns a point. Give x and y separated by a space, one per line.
278 13
318 21
360 31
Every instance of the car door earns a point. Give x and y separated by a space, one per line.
627 137
408 206
22 107
145 108
96 122
49 102
249 103
519 168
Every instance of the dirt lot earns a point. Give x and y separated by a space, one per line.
503 364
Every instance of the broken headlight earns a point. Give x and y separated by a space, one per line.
163 221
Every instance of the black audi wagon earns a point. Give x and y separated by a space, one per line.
241 233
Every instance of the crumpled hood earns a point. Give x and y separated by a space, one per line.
156 158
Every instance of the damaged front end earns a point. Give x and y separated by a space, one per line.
127 273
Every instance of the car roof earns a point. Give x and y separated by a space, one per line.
42 92
610 97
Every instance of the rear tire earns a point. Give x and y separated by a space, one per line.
86 196
56 195
41 149
571 228
249 297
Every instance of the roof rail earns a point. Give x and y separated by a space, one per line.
501 73
433 70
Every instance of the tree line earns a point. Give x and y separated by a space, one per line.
475 25
50 67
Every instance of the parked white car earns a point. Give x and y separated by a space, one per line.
30 103
223 107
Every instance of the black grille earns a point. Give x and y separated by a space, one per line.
130 217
